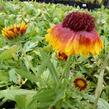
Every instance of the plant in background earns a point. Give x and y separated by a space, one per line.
91 1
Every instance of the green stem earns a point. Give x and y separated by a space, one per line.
67 67
53 72
99 87
50 66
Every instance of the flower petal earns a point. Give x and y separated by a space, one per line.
69 42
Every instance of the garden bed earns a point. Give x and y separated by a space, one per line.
88 6
32 76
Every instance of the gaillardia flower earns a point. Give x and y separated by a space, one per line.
14 31
80 83
75 35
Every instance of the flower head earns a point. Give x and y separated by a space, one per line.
80 83
62 56
75 35
14 31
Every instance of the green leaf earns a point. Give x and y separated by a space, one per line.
4 76
25 74
47 97
11 93
12 75
50 66
27 61
44 98
21 101
29 46
102 104
9 53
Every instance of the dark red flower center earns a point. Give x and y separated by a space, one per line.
79 21
80 83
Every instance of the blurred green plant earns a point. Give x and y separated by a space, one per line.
92 1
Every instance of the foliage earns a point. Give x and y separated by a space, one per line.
92 1
30 73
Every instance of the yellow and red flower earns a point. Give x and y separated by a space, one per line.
14 31
80 83
75 35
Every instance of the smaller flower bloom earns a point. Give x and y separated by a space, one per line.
80 83
14 31
62 56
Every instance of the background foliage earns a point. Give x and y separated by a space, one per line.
92 1
30 73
